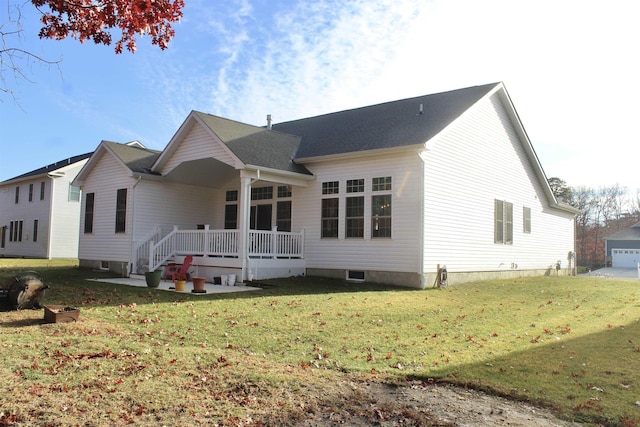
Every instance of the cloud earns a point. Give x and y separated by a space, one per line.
568 66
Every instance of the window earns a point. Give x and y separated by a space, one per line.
355 275
381 207
262 193
284 191
231 210
42 187
230 217
526 220
503 224
121 210
88 213
283 216
381 216
15 231
381 184
74 193
332 187
31 192
17 195
35 230
3 236
355 185
330 217
354 217
232 196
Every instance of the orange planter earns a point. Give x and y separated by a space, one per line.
198 284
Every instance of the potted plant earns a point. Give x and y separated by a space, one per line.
198 284
153 278
181 279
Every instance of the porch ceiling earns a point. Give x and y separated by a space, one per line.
203 173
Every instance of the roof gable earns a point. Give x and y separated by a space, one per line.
250 145
132 156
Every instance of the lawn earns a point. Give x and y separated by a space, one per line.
279 355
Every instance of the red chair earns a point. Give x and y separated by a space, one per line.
179 270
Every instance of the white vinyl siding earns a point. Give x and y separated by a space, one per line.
47 202
477 160
65 220
104 243
182 205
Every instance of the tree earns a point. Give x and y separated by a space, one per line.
13 59
91 19
561 190
87 20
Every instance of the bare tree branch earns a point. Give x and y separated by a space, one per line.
14 61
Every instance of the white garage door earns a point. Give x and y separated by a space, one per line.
625 258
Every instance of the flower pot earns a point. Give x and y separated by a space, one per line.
198 284
153 278
232 280
180 285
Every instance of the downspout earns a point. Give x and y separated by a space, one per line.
423 284
132 261
51 228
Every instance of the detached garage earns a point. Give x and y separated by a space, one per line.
623 247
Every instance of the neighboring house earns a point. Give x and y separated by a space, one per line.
386 193
40 212
623 247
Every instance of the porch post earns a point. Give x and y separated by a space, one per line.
243 224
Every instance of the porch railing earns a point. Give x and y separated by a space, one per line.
141 250
224 243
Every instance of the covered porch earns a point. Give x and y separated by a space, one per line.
249 234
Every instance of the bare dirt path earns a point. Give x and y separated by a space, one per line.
421 404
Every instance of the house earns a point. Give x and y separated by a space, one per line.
623 247
387 193
40 211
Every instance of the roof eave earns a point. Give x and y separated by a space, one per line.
359 154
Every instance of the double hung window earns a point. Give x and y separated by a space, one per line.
330 209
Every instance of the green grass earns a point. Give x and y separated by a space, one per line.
150 357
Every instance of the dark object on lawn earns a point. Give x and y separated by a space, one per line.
24 291
60 314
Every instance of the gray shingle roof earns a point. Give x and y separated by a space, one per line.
631 233
137 159
255 145
52 167
387 125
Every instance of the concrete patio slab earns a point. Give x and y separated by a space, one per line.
169 286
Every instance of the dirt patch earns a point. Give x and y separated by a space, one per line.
424 404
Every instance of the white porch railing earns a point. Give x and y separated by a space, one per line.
275 244
141 251
224 243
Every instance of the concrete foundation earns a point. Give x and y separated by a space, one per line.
414 280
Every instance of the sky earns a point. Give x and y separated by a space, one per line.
571 68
